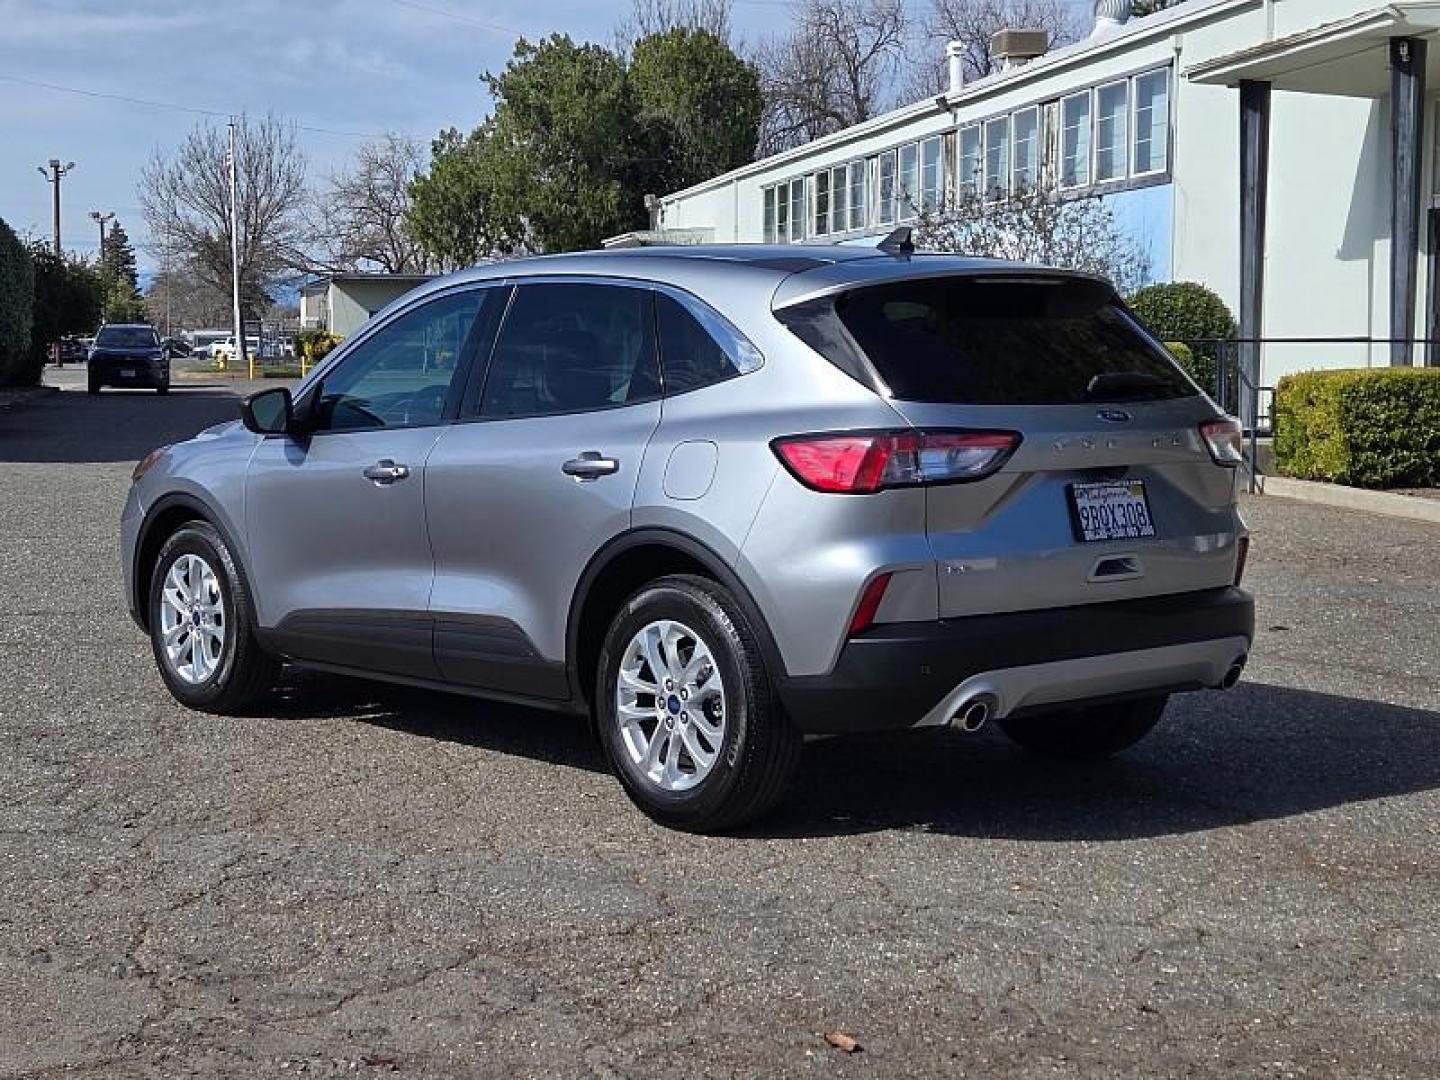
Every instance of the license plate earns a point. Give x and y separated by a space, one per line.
127 373
1110 511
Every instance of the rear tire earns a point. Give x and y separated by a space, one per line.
92 384
201 627
163 388
744 749
1095 731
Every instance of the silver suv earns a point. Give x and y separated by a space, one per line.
718 499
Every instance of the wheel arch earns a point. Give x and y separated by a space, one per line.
622 566
167 514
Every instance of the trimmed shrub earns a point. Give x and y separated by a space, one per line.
1371 428
313 345
1185 357
17 300
1187 311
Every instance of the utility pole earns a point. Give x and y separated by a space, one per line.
54 174
101 220
240 351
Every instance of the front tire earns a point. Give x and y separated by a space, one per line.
1094 731
201 628
686 710
92 384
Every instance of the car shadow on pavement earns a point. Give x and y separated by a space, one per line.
116 425
1217 760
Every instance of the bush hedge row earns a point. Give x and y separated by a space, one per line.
1368 428
17 299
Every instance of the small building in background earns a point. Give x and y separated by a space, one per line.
341 303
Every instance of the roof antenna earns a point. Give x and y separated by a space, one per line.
898 243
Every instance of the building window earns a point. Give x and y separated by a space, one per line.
887 188
1111 138
1075 141
797 208
838 194
932 174
769 218
997 158
822 203
1026 141
968 163
857 194
782 212
909 180
1152 123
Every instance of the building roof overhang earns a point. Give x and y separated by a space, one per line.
1348 57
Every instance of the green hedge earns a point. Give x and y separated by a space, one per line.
1371 428
1188 311
17 300
313 345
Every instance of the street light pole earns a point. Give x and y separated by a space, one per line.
101 220
54 174
240 350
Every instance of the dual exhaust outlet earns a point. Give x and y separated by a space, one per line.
977 710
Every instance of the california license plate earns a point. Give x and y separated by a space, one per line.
1111 511
127 373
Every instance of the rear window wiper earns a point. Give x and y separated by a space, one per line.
1126 386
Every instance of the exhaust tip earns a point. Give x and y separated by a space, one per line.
974 714
1233 675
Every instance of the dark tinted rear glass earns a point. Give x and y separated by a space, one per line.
126 337
994 341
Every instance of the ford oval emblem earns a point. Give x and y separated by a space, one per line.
1114 416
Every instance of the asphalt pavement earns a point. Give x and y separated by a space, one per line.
370 880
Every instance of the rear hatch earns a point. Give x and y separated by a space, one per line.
1112 492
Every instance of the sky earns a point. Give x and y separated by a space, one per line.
340 70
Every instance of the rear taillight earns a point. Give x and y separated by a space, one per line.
1225 439
858 463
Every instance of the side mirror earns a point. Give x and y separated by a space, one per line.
269 412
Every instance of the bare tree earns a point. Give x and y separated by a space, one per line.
359 215
973 23
649 17
835 68
185 196
1040 227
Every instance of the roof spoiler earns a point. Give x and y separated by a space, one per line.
898 243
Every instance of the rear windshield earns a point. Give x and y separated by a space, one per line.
126 337
991 341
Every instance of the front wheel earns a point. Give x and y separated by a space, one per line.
200 625
686 710
1094 731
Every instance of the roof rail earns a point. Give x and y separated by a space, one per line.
898 243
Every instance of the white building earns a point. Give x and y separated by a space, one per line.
341 303
1148 113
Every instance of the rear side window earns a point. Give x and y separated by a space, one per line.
992 341
699 348
572 348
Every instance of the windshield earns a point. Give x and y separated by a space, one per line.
127 337
992 341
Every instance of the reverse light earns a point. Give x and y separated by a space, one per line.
1225 439
149 461
869 603
861 463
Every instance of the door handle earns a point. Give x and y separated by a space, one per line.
386 471
590 465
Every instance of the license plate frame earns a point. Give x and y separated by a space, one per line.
1108 510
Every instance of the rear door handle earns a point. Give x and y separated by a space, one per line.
590 465
386 471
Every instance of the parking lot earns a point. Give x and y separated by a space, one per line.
374 880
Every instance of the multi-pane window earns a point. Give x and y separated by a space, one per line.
822 203
1026 151
932 174
1152 122
797 208
997 158
782 212
968 162
839 195
1075 141
909 180
887 185
769 218
857 194
1112 151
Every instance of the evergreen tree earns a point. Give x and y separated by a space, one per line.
123 302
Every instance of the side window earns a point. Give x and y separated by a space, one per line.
402 374
572 348
698 347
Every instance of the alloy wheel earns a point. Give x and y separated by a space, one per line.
192 619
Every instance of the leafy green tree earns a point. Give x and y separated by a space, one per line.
69 296
455 209
702 101
17 299
121 281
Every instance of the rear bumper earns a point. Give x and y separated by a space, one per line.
143 372
904 675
